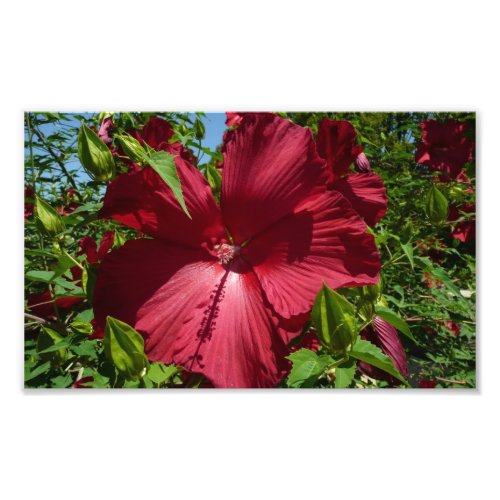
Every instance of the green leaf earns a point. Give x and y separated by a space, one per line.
371 354
334 318
160 373
436 206
214 179
87 316
124 347
42 276
395 320
307 368
408 250
62 381
163 163
57 342
44 367
89 277
344 374
50 220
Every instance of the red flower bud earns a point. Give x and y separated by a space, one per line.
362 164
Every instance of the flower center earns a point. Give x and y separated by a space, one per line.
226 252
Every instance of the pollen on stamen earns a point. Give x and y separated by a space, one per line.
226 252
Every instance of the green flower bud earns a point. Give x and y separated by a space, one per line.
334 318
48 219
124 347
94 155
132 148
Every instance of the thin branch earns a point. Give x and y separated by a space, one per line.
35 318
463 382
57 160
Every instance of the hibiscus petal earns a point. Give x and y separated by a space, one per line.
270 165
324 240
193 312
89 247
156 131
385 336
143 201
337 145
107 241
366 193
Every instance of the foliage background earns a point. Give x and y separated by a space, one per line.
428 276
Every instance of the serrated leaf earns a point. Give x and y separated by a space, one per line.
344 374
164 164
373 355
307 368
160 373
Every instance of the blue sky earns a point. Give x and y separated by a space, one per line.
214 130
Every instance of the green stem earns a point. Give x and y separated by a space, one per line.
73 259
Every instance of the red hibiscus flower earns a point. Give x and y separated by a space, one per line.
226 307
157 134
233 119
106 130
465 230
365 190
427 384
42 304
89 247
80 384
454 328
385 336
29 197
444 146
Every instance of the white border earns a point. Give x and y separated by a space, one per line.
276 55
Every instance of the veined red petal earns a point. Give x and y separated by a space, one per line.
193 311
107 241
234 118
89 247
156 131
366 193
143 201
270 165
336 143
323 240
385 336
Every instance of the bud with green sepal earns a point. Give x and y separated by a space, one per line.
334 318
49 221
132 148
94 155
124 347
